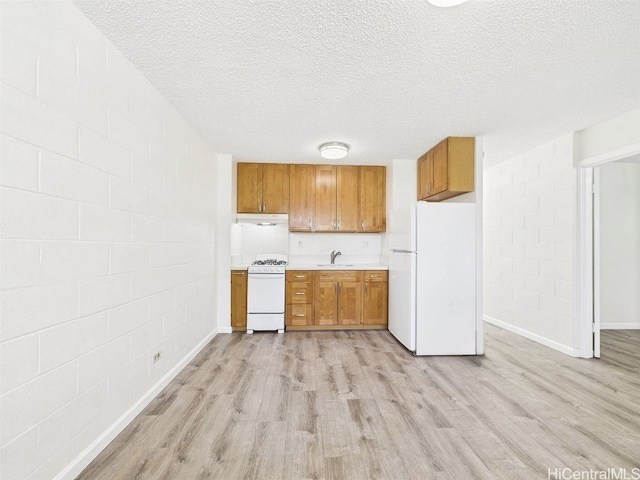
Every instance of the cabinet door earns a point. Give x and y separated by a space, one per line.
239 299
375 303
347 188
302 198
373 207
425 167
325 303
440 171
325 219
249 188
350 303
275 188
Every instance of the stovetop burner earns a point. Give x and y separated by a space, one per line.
269 261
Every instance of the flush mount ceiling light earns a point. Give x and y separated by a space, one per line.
333 150
446 3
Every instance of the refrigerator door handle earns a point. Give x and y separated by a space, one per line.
401 250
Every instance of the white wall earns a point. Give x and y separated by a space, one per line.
615 134
106 254
619 189
401 184
529 222
225 206
317 247
250 240
610 140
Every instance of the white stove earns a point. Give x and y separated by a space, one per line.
269 263
265 293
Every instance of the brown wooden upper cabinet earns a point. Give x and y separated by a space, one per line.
325 211
337 198
447 170
302 194
373 199
263 188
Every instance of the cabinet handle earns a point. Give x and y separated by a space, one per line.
362 225
338 224
299 293
299 276
309 224
335 288
238 273
264 206
298 315
366 287
375 276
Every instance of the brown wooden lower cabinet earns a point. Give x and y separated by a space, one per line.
338 297
325 306
350 303
299 293
375 300
332 300
238 299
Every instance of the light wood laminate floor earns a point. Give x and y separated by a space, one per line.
356 405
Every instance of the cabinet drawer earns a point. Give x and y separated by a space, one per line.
299 292
376 276
299 314
339 276
298 276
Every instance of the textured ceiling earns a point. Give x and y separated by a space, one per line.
271 80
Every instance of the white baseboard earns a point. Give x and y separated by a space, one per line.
72 470
533 336
620 326
225 329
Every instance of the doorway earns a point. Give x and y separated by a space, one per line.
609 248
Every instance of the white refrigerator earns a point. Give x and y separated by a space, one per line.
432 278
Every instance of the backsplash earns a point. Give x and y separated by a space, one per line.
249 240
317 247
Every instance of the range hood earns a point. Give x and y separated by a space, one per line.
262 218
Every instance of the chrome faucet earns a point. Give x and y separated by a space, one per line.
334 254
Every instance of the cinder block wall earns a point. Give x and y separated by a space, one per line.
529 224
106 253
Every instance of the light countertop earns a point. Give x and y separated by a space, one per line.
337 266
325 266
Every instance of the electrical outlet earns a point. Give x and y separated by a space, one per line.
156 356
300 244
365 244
